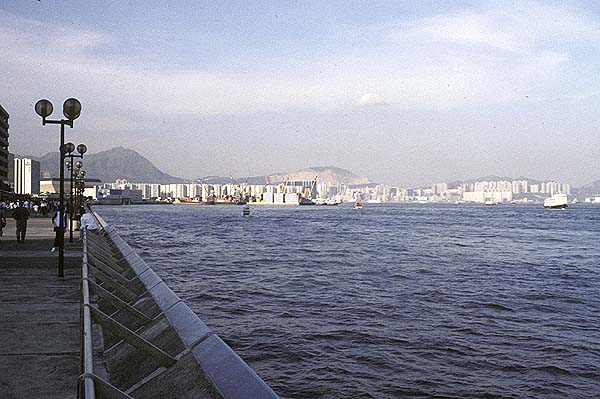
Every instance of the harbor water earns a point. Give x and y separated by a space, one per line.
390 301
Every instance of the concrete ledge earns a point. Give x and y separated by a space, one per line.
232 377
149 278
188 325
163 296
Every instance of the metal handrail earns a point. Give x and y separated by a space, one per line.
86 391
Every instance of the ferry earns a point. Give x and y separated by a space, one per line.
326 202
557 201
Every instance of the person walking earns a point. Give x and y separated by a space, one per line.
21 215
57 230
44 208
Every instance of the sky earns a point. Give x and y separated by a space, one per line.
404 92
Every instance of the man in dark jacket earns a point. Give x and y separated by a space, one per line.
21 215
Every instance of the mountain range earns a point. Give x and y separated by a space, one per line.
123 163
329 174
110 165
589 190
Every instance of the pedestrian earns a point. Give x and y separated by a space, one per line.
59 234
44 208
21 215
2 217
87 222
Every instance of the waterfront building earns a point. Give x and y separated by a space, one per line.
483 196
26 176
4 165
440 188
52 186
205 191
118 196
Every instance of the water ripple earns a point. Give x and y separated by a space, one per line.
396 301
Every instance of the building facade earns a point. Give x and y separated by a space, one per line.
26 176
4 177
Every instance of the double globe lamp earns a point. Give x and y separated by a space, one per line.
71 111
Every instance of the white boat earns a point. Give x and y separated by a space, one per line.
574 201
490 202
557 201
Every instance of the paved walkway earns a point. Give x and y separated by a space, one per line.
39 321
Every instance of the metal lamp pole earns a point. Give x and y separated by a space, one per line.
71 111
81 189
81 149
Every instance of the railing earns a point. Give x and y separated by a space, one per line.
155 345
86 384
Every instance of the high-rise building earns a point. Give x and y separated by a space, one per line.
27 176
439 188
4 184
534 188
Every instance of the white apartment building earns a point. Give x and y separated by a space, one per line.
26 176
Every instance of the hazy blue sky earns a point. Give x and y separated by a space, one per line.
402 92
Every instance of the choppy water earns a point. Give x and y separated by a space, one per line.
390 301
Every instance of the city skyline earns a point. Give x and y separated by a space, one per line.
432 92
470 180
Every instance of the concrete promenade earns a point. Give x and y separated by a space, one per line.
39 317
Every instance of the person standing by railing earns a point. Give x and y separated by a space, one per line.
86 222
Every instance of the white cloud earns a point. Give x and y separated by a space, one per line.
370 99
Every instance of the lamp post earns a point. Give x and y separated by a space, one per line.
71 111
81 189
69 148
79 186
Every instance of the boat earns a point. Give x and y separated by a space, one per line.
574 201
490 202
357 204
326 202
557 201
246 210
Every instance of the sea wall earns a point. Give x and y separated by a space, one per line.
155 346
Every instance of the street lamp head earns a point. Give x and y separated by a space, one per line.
72 109
83 173
68 164
82 149
44 108
78 164
69 148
